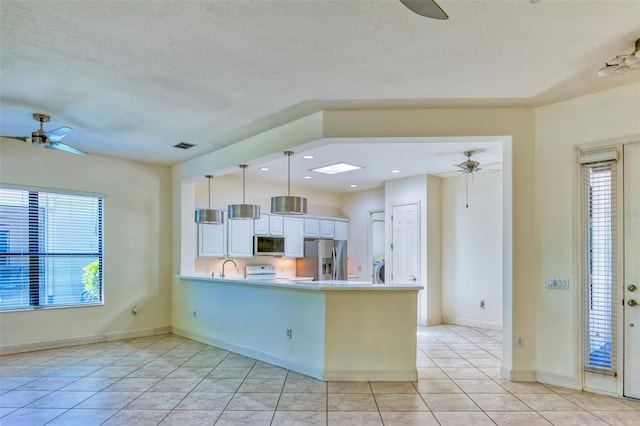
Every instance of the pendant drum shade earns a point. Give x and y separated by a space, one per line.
210 216
244 211
288 204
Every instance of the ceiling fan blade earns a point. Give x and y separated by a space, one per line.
496 165
66 148
56 135
20 138
426 8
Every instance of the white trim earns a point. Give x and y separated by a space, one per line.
517 375
82 340
559 380
371 375
51 190
289 364
491 325
589 157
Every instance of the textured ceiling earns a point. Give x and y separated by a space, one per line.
134 78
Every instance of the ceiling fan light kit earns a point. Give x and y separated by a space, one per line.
288 204
209 216
622 64
243 211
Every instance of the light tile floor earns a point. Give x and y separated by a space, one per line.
171 380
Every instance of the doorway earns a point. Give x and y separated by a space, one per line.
377 268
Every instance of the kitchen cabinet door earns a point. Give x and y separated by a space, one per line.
276 226
293 237
341 230
212 240
312 228
261 226
240 238
327 229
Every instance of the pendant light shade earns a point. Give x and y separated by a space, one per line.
210 216
244 211
288 204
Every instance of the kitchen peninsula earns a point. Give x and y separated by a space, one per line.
330 330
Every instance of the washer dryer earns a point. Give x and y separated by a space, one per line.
378 270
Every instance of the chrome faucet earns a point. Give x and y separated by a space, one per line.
224 263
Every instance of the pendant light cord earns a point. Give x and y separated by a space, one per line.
243 190
289 174
209 193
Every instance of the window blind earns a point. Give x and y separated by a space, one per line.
50 249
599 266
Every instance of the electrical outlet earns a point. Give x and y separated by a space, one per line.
482 304
289 333
557 283
520 342
195 314
134 311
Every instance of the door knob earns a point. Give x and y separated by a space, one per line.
632 287
632 302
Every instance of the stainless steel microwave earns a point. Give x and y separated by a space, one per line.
268 246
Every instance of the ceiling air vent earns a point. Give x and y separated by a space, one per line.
184 145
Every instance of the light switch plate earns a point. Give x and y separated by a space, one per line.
557 283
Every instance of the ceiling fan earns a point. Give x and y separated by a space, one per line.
431 9
426 8
469 167
50 139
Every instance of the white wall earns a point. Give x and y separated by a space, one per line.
472 250
137 246
604 118
357 206
434 250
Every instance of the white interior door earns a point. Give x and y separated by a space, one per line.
405 240
632 270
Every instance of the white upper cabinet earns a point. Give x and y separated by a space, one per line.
293 237
276 226
341 230
212 240
261 226
312 228
327 229
240 238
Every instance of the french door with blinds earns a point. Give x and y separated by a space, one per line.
610 272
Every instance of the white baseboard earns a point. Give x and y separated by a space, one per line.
473 323
81 340
371 375
517 375
557 380
289 364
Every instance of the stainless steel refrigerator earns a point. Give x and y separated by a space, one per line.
323 260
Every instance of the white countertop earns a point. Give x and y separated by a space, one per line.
305 285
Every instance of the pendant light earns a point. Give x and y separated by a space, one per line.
244 211
288 204
214 217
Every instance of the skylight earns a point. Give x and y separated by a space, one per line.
334 169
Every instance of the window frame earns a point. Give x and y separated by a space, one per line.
36 256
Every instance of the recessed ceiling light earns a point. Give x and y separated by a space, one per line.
334 169
353 185
264 169
308 157
395 171
308 177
